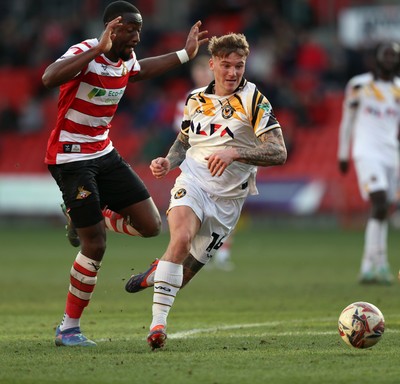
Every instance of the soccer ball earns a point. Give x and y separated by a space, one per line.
361 325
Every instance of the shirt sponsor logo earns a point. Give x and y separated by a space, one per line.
213 128
96 92
112 96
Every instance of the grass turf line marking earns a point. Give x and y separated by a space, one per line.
181 335
197 331
294 333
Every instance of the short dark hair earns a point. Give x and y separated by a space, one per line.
117 8
382 46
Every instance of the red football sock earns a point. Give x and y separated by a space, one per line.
117 223
83 279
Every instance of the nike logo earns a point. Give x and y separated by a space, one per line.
96 267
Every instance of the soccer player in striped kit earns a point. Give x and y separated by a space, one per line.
93 178
370 131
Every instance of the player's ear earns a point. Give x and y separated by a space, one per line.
211 63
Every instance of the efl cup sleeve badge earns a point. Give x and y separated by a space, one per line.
265 107
82 193
180 193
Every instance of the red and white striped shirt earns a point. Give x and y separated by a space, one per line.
86 106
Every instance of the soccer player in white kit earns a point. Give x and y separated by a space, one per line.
228 129
369 130
201 75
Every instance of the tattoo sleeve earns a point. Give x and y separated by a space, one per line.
190 267
270 151
177 152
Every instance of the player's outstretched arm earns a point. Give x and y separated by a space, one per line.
157 65
176 154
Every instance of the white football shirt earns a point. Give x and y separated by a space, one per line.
371 120
217 122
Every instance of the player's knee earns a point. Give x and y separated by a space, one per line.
182 244
94 248
152 229
380 211
380 205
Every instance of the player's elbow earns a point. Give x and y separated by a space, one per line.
282 156
46 80
50 77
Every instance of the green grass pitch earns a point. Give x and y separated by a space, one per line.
273 319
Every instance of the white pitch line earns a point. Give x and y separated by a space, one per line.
197 331
192 332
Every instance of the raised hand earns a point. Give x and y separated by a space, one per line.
195 39
108 35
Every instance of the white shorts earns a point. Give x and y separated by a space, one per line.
218 216
374 176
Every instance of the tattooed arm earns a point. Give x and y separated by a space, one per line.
176 154
271 151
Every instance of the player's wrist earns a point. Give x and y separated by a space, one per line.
97 50
183 56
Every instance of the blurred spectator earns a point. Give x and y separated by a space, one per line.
31 118
8 117
291 59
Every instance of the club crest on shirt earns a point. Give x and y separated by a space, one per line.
124 69
227 110
82 193
180 193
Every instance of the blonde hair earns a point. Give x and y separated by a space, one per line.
226 44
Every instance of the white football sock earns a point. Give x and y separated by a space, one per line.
371 245
167 282
382 261
69 322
